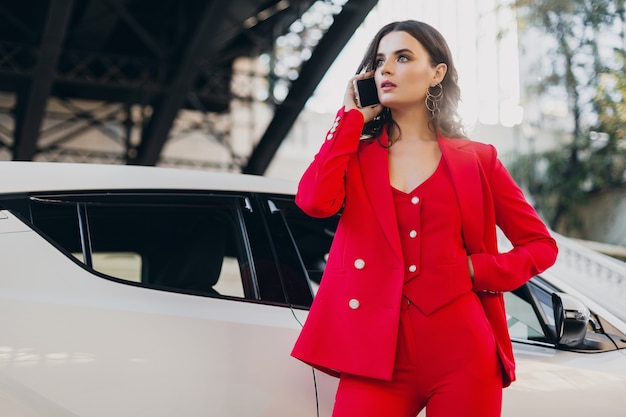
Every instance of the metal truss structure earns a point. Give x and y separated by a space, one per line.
135 75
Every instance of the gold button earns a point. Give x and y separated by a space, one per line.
415 200
412 268
354 304
413 233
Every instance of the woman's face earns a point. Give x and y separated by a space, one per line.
404 71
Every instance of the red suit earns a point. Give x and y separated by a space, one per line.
353 324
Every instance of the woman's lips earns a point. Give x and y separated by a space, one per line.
387 85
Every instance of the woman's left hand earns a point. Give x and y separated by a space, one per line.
349 102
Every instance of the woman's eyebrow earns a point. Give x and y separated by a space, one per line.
403 51
398 52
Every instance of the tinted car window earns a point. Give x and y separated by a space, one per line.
181 248
311 236
521 318
193 244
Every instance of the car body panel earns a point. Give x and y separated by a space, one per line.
560 383
70 341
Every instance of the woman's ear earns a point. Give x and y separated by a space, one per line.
440 72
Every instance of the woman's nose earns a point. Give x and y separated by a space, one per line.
386 68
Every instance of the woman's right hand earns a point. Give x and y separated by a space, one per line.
349 102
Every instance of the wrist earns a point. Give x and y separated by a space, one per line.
470 268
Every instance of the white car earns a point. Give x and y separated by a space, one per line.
135 291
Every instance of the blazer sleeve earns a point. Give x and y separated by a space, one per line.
321 190
534 249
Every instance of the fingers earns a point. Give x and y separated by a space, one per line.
349 100
364 75
370 112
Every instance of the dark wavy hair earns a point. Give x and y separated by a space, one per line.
447 122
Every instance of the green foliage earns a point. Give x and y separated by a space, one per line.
595 85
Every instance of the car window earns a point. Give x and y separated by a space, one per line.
311 237
182 248
529 311
543 300
178 243
124 265
521 318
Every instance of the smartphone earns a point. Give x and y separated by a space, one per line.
365 92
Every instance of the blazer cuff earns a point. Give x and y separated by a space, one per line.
482 283
344 135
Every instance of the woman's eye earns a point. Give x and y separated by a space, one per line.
378 63
403 58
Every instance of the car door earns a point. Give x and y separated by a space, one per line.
160 304
302 244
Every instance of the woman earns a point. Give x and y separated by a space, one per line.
410 310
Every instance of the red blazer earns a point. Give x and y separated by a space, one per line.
353 323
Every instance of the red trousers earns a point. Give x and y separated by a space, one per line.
445 362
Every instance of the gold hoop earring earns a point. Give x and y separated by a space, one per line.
432 100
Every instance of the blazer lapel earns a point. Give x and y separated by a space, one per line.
464 170
374 164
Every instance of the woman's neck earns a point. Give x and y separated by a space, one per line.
413 126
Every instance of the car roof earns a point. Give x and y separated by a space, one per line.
20 177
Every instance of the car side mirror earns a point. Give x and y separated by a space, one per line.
571 318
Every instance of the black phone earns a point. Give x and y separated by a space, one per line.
365 92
